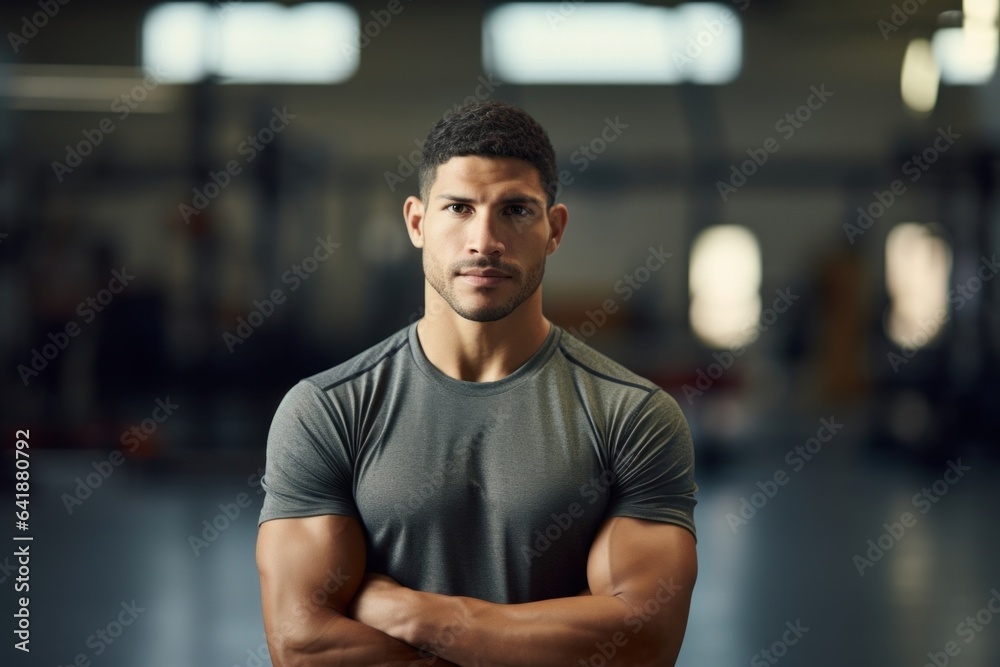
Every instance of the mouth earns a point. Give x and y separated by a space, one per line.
484 277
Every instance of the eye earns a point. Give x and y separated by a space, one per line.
519 211
456 208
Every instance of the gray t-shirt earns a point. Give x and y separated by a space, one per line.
493 490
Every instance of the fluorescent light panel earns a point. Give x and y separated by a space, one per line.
617 43
263 42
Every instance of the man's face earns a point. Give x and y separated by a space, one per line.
485 234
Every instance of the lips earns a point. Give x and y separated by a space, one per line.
488 273
483 277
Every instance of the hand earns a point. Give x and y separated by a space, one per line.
374 601
381 603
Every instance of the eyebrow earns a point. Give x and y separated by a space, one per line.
516 198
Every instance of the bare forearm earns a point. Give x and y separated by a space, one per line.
637 618
564 631
336 640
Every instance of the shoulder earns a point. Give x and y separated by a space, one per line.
321 393
588 362
614 382
375 358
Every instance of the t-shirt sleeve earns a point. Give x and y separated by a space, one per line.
308 470
653 463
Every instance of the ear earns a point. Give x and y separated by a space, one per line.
413 214
558 219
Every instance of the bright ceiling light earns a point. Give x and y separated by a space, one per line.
917 268
617 43
966 55
254 42
724 279
920 78
985 12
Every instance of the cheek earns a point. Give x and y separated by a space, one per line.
445 245
539 246
435 255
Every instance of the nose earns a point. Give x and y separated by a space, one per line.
485 231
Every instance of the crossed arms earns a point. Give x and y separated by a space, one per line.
321 609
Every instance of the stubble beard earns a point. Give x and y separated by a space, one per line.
444 284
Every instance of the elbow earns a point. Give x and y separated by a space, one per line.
286 658
287 651
292 655
293 645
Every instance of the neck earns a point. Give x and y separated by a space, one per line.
480 351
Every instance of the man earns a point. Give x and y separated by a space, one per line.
480 488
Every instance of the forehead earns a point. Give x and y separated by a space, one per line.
481 175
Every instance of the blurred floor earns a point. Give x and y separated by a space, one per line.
790 565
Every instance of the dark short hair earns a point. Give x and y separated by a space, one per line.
488 129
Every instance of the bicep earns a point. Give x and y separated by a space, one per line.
310 568
652 567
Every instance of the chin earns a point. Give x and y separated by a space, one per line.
484 314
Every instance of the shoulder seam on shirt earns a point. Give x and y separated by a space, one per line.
599 374
365 370
638 408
